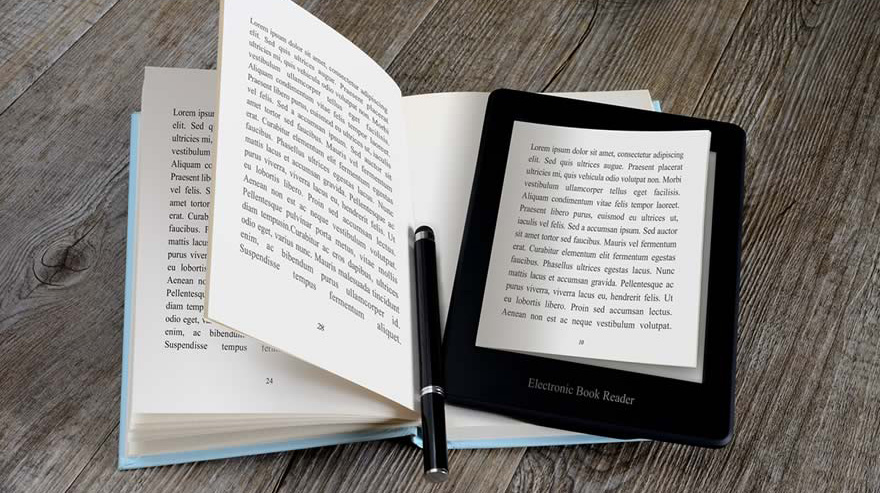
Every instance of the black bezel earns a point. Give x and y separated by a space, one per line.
664 408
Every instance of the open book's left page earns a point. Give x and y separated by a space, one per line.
181 363
309 238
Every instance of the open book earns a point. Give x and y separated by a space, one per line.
310 259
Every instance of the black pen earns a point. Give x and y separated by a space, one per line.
432 396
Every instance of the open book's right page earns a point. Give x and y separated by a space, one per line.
598 245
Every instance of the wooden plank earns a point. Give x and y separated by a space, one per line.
396 466
669 48
252 473
360 22
35 35
64 154
802 79
607 467
480 46
64 149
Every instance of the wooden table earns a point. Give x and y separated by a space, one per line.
802 77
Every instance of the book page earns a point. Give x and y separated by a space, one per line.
309 242
182 363
598 245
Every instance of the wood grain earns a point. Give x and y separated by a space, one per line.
395 466
63 150
803 78
378 28
478 46
669 47
809 358
254 473
35 34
